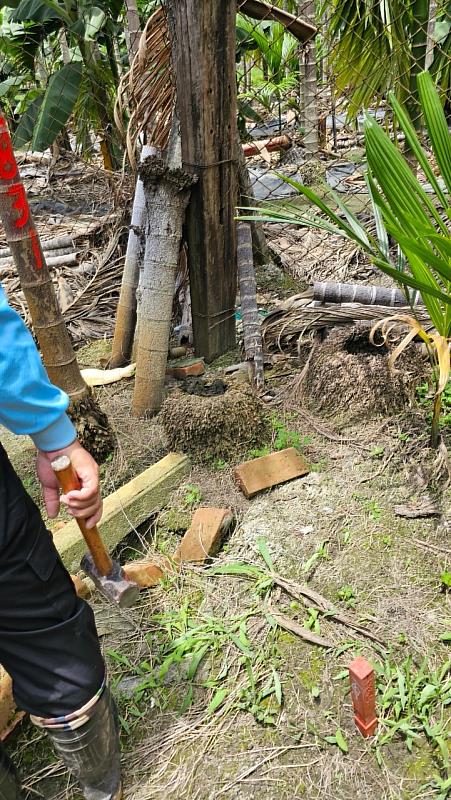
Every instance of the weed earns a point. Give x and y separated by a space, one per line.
347 595
377 452
219 464
282 437
374 510
425 397
445 579
414 703
193 496
320 552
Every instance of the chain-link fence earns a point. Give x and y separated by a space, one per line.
305 71
301 108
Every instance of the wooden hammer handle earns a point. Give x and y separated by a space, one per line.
68 480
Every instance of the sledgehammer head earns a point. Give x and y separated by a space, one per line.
114 586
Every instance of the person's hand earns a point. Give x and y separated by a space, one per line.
84 503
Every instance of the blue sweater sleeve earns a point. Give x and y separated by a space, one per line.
29 403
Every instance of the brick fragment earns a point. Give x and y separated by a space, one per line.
263 473
203 538
7 704
363 693
146 573
81 587
183 369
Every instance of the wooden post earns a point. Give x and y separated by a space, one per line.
204 65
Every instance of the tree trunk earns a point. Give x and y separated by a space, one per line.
260 248
48 324
249 311
133 32
310 87
124 330
167 188
108 141
430 34
204 66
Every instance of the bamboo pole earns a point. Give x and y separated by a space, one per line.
124 330
330 292
36 283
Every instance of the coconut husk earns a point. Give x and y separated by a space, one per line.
346 373
214 427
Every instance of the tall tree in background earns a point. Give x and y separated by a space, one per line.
376 47
308 70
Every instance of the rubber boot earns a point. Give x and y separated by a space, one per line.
91 752
9 781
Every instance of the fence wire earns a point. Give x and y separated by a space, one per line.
301 110
300 115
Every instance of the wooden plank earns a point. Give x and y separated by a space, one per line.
263 473
129 506
204 60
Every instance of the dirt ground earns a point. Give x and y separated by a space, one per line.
216 699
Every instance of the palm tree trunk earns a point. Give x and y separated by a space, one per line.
133 32
253 346
310 85
124 330
48 324
430 34
167 189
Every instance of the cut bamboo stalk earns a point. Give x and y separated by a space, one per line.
36 283
330 292
249 310
124 330
58 243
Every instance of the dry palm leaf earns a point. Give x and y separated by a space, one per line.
296 318
146 92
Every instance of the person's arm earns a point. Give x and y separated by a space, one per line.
30 404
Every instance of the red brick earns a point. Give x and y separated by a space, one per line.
183 369
146 573
81 587
203 538
363 693
263 473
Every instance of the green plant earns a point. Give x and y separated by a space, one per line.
219 464
445 580
320 552
414 702
347 595
425 397
339 740
374 510
377 451
193 496
412 218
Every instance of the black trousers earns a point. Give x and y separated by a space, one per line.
48 638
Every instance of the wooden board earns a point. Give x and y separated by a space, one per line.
126 508
263 473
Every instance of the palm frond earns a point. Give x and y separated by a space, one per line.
146 92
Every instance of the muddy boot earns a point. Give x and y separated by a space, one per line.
91 751
9 781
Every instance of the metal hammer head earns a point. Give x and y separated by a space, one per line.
114 586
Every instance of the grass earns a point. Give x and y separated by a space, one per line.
425 397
